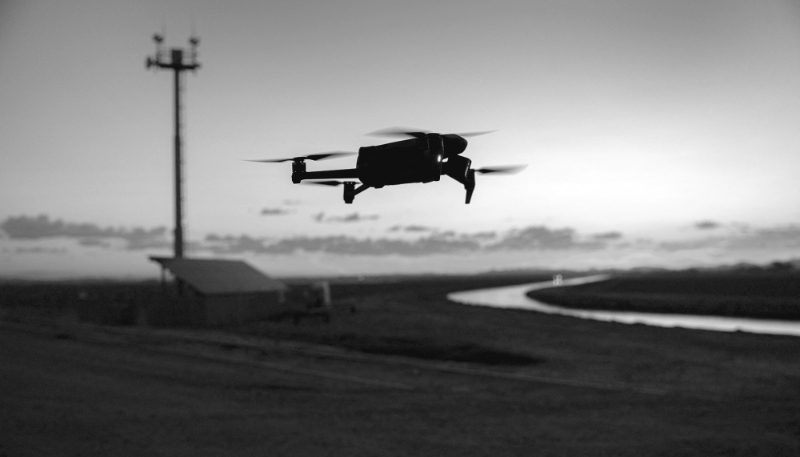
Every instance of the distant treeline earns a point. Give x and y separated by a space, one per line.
112 302
772 293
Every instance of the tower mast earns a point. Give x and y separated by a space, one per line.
178 66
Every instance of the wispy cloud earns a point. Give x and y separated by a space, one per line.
438 242
341 245
411 228
541 237
347 218
783 237
232 244
37 227
747 238
29 234
480 237
707 225
607 236
275 212
40 250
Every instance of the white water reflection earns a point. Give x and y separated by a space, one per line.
514 297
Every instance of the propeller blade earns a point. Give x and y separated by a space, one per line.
417 133
329 155
325 183
508 169
320 156
399 131
470 134
270 161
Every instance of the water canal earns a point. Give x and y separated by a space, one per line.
513 297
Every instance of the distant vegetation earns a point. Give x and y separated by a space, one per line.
98 302
408 316
363 318
763 293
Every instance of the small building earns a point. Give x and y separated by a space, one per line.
215 292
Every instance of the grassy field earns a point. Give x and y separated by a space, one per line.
399 370
399 317
756 294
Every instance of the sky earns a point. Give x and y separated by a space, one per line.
656 134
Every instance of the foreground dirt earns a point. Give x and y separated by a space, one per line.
71 389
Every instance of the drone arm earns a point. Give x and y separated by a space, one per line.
458 168
348 173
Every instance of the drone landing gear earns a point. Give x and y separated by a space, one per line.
469 185
350 191
459 169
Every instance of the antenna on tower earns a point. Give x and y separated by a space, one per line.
194 41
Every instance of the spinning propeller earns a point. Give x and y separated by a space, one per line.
320 156
327 183
462 172
402 131
452 144
506 170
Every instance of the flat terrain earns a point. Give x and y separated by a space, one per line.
407 373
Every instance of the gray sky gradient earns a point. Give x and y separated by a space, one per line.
643 118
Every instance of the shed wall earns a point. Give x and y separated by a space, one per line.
241 308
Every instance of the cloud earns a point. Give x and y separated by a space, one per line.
96 242
689 245
477 236
39 227
232 244
274 212
411 240
348 218
354 217
411 228
40 250
707 225
342 245
481 235
746 239
782 237
447 242
540 237
607 236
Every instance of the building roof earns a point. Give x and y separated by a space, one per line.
217 277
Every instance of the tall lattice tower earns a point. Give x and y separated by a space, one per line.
179 61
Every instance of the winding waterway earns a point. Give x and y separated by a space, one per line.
514 297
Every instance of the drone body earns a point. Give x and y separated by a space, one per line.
423 158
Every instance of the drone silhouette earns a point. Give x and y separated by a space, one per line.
423 158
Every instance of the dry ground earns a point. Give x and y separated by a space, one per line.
590 388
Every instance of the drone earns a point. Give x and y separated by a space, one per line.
422 158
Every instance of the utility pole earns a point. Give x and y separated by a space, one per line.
178 66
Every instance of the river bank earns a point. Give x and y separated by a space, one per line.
757 295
